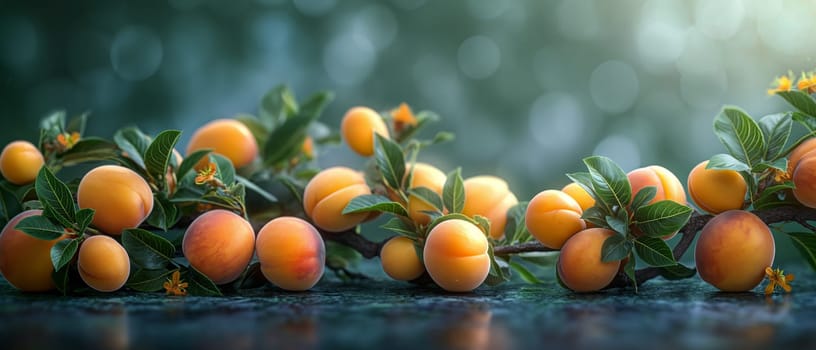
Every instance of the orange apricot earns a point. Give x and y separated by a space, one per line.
455 255
20 162
579 265
553 217
227 137
733 250
580 195
802 151
291 252
25 261
328 193
489 196
667 185
121 198
804 178
424 175
358 128
399 259
103 263
716 191
219 244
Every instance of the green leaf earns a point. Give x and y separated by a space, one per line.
615 248
654 251
224 170
740 135
451 216
453 192
257 189
199 284
251 278
584 179
77 124
677 272
525 274
515 230
258 129
772 195
483 223
777 130
805 120
662 218
428 196
190 161
724 161
800 100
9 205
596 216
780 164
158 154
165 214
617 224
498 274
374 202
390 161
84 218
286 140
63 252
645 195
39 226
146 249
805 242
276 106
55 197
90 149
629 270
134 143
609 181
144 280
400 227
61 279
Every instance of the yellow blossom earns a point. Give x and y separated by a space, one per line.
781 84
403 116
174 286
777 278
308 147
807 83
206 175
66 141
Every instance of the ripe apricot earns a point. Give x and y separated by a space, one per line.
103 263
455 255
580 195
733 250
20 162
399 259
424 175
489 196
227 137
358 128
121 198
579 265
804 178
668 186
219 244
291 252
25 261
801 152
716 191
328 193
553 217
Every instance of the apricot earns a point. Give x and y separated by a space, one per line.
328 193
579 265
668 186
716 191
424 175
358 128
25 261
219 244
804 178
103 263
291 252
227 137
553 217
399 259
800 152
489 196
456 256
20 162
733 250
580 195
121 198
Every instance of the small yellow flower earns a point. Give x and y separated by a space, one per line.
403 117
66 141
781 176
308 148
777 278
206 175
783 83
807 83
174 286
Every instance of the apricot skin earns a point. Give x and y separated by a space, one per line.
804 178
580 195
733 250
455 255
121 198
20 162
801 152
358 127
399 259
579 265
668 186
103 263
489 196
219 244
716 191
553 217
227 137
424 175
25 261
291 252
328 193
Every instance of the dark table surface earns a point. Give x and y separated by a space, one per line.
392 315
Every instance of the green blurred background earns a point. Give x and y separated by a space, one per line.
529 87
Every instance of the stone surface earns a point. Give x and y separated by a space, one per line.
383 314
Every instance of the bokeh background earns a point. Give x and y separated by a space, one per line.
530 87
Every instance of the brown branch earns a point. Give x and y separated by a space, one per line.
368 249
